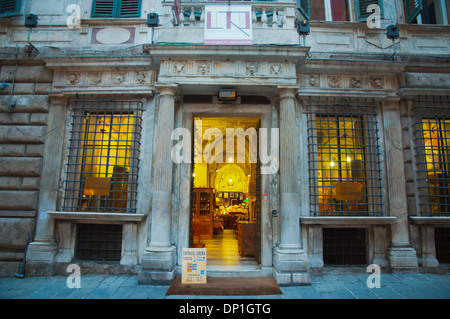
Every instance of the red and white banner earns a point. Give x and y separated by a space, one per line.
228 25
176 11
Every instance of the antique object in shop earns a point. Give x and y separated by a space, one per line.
203 212
246 235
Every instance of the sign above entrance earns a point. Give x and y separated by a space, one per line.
228 25
194 266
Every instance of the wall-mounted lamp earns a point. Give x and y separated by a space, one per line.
303 29
31 21
152 22
152 19
227 95
392 32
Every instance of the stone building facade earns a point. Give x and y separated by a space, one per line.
384 102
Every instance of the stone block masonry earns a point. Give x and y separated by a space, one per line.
23 130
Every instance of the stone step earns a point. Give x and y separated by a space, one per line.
238 271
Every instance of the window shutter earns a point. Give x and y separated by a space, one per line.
103 8
130 8
9 8
303 7
412 9
361 8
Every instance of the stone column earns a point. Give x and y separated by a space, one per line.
42 250
400 254
159 259
290 260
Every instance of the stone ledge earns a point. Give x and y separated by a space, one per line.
427 220
347 220
113 218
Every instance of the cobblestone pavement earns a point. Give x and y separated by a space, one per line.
324 286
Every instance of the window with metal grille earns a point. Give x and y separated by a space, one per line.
431 130
99 242
344 246
442 242
103 161
344 157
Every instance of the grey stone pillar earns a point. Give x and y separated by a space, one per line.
42 250
159 259
400 254
290 260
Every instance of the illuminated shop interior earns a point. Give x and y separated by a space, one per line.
224 200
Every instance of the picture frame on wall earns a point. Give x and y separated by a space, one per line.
231 195
225 195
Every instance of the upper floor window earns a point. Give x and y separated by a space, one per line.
427 11
116 8
337 10
9 8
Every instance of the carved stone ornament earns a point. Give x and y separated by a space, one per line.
73 78
356 82
118 78
275 69
376 82
141 78
334 81
179 68
313 81
95 78
251 69
203 68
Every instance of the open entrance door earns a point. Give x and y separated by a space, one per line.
226 190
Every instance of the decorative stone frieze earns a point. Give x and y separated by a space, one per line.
120 78
262 69
347 81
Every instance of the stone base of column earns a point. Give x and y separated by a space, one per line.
290 267
158 266
40 258
428 260
402 258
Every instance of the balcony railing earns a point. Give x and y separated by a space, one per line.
265 14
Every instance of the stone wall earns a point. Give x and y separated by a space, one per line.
23 123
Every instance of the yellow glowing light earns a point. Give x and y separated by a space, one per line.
349 159
332 164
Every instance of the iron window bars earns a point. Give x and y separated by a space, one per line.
344 157
103 160
344 246
99 242
431 134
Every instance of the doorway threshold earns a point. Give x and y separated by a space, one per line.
239 271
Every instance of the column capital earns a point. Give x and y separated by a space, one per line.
167 88
285 91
